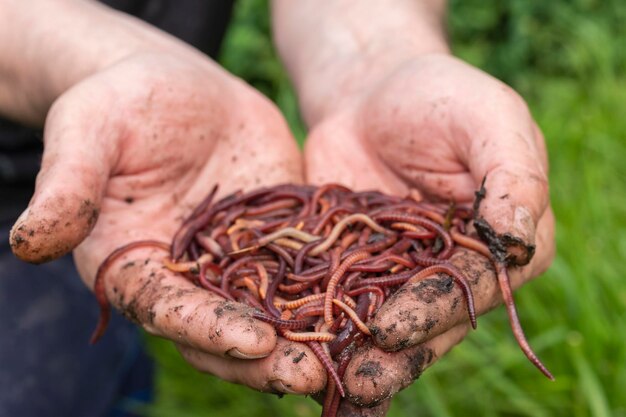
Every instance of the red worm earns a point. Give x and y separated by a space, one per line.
303 252
507 295
343 360
99 288
458 278
327 364
334 281
311 310
204 282
380 294
245 297
388 280
299 261
317 229
282 324
271 290
421 221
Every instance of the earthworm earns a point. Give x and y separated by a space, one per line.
205 283
297 265
469 243
335 260
458 278
268 302
183 237
351 279
353 316
264 280
248 283
307 278
326 362
327 216
414 209
187 266
339 227
518 332
288 243
99 288
348 334
329 400
310 310
237 264
380 294
323 189
389 280
269 207
295 288
287 232
324 337
298 254
420 221
282 324
246 298
343 359
290 305
334 281
177 244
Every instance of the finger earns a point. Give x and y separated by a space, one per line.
168 305
347 409
66 202
421 310
507 149
333 153
291 368
374 375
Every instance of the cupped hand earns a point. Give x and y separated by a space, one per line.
440 126
129 151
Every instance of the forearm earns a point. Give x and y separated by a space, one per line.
49 45
337 49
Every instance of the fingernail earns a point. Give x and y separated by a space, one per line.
23 216
236 353
523 225
278 385
15 238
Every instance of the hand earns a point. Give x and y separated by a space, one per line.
129 151
438 125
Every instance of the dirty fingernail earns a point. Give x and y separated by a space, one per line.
278 385
23 216
19 221
523 225
236 353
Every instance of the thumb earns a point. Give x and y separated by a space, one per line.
512 160
69 187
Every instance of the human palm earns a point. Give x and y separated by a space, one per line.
129 152
438 125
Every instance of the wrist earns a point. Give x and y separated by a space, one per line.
52 45
346 83
335 54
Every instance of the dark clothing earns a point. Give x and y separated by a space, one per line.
47 367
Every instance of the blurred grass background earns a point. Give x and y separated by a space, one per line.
568 59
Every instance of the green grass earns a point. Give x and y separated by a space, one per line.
569 60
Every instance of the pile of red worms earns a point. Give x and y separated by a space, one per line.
318 262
